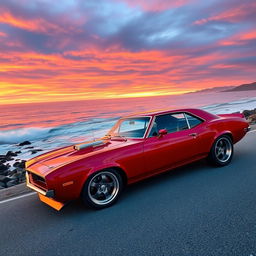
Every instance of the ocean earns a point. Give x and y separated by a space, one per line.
56 124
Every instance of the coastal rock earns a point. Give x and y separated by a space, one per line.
3 167
5 158
8 165
29 147
35 151
4 179
19 164
24 143
4 173
248 113
19 170
252 119
23 179
15 176
11 172
10 154
11 183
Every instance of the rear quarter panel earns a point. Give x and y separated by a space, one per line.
235 126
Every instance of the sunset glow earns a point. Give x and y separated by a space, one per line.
111 49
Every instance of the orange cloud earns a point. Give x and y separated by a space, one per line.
239 39
251 35
234 14
153 5
99 74
2 34
33 24
46 77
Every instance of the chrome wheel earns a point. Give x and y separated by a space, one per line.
103 188
223 149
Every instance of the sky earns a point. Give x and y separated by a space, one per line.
86 49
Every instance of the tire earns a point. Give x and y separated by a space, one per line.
222 151
102 189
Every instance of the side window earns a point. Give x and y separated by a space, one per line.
170 122
193 121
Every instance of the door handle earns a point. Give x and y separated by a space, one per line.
193 134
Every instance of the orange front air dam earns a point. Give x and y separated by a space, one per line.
54 204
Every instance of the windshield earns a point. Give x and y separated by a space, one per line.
133 127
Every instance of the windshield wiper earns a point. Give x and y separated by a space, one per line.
115 137
107 137
118 137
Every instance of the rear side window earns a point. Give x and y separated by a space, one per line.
181 121
193 121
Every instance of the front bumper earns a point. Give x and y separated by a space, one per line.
45 196
51 202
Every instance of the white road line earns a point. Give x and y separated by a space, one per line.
252 131
17 197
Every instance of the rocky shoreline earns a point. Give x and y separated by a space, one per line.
250 116
12 168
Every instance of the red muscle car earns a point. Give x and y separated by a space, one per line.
136 147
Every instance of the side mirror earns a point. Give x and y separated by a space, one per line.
162 132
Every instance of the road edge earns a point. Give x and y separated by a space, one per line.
14 191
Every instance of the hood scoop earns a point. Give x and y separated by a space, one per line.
90 144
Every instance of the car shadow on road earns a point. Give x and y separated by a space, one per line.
160 180
169 177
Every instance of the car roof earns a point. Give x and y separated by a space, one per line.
160 112
198 112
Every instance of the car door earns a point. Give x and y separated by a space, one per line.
203 135
177 146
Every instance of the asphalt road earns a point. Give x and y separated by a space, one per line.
194 210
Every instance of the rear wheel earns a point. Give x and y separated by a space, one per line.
102 189
222 151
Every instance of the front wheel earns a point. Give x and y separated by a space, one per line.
222 151
102 189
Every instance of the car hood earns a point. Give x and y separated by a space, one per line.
52 160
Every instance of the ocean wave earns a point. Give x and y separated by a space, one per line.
232 103
22 134
92 128
233 106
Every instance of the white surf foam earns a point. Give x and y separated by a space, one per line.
22 134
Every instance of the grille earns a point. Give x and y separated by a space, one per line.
37 180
